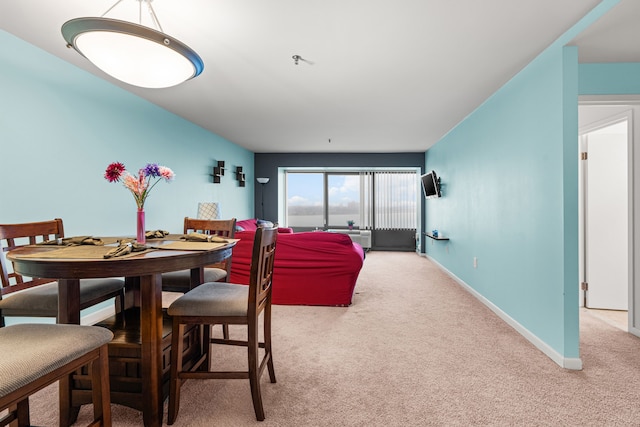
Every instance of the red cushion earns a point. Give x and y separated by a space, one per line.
252 225
248 224
311 268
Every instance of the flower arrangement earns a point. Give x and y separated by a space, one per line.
139 185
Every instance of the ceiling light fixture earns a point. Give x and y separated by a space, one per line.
133 53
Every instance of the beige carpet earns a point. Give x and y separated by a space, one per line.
617 318
414 349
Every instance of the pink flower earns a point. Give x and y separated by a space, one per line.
166 173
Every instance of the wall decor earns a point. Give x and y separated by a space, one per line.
218 171
240 176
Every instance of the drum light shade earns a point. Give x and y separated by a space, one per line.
132 53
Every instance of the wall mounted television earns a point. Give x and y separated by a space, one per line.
431 185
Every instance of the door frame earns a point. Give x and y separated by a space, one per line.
633 134
584 133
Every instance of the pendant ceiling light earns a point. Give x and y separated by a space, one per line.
133 53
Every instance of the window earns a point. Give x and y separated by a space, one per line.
380 200
343 195
305 199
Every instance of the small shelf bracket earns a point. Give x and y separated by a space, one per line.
435 238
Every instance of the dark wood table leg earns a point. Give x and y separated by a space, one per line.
151 330
69 301
197 277
132 292
68 312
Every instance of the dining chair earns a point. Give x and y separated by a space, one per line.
217 303
38 297
180 281
33 356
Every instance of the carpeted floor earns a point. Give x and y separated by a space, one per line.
414 349
617 318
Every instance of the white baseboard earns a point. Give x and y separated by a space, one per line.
565 362
98 316
88 319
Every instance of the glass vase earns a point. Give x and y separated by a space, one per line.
140 236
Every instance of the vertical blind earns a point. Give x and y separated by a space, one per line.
388 200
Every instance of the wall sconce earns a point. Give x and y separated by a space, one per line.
240 176
218 171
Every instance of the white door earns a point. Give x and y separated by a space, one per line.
606 218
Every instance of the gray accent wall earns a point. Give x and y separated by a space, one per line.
267 164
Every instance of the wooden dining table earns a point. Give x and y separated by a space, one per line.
143 276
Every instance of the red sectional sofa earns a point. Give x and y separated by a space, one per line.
311 268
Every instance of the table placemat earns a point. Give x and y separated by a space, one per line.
192 246
105 241
80 252
169 236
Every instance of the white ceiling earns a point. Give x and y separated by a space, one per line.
381 76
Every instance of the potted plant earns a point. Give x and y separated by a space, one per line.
350 223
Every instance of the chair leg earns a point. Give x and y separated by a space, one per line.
254 378
177 341
68 414
225 331
22 413
206 347
100 388
267 343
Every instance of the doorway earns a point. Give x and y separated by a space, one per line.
605 220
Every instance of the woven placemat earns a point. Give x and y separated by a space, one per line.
80 252
190 246
167 237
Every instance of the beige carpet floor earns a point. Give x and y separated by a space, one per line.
617 318
414 349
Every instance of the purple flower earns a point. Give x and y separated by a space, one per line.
152 170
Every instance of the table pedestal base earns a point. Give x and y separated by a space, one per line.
125 361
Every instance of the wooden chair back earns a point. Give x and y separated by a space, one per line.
13 236
264 250
220 227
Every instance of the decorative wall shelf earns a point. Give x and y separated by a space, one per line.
218 171
435 238
240 176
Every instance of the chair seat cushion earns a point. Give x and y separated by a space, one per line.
212 299
30 351
42 301
182 279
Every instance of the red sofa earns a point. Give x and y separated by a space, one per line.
310 268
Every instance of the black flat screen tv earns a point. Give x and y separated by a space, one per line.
431 185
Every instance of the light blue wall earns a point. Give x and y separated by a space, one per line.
609 79
59 129
510 175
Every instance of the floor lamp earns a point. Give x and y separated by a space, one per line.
262 182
